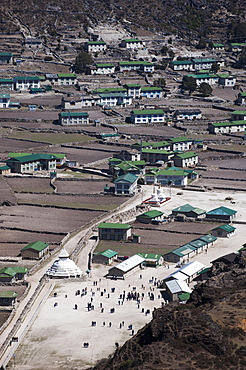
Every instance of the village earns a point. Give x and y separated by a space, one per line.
122 185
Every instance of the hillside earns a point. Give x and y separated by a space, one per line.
191 17
207 333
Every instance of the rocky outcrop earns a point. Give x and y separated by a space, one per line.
206 333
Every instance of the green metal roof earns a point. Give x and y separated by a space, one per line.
8 294
137 62
102 65
6 80
4 96
153 144
26 78
110 90
150 256
37 246
226 227
96 42
229 124
186 155
12 271
151 214
133 85
151 88
132 40
147 111
157 151
128 177
109 253
73 114
184 296
204 270
31 157
168 172
4 168
188 208
180 139
222 211
218 45
182 251
197 243
107 225
2 53
66 75
203 60
208 238
242 112
180 62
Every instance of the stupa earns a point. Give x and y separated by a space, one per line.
64 267
157 198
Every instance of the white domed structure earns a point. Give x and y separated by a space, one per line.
64 267
160 195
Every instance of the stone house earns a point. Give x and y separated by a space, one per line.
238 115
241 98
7 298
33 43
128 155
5 170
26 82
105 257
223 231
6 84
136 66
151 92
189 211
114 231
35 250
102 69
185 159
152 156
222 214
150 216
12 274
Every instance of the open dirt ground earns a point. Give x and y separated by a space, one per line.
56 338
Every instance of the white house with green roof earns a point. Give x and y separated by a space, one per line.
151 92
163 145
6 58
126 184
73 118
185 159
26 82
95 46
114 231
32 162
227 127
211 79
106 257
236 46
113 99
102 69
223 231
133 90
132 44
4 100
153 156
227 80
174 177
181 143
218 47
67 79
137 65
181 65
35 250
188 114
147 116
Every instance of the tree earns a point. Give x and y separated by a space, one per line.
161 82
205 89
82 60
201 44
189 83
215 67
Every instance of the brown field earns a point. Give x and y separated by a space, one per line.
42 219
80 202
206 155
224 174
26 237
5 192
38 185
164 131
81 187
182 227
222 183
237 163
52 138
8 145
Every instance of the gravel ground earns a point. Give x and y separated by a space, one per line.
39 185
19 145
238 163
224 174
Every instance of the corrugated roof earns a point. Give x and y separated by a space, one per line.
128 177
37 246
147 111
130 263
222 211
8 294
109 253
151 214
208 238
178 286
150 256
192 268
227 227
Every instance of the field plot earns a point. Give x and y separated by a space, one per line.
236 147
222 183
180 227
5 192
81 187
164 131
37 185
204 157
80 202
43 219
224 174
57 138
82 156
233 163
28 115
8 145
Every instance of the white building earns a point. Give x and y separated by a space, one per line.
95 46
132 44
4 100
127 267
64 267
147 116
